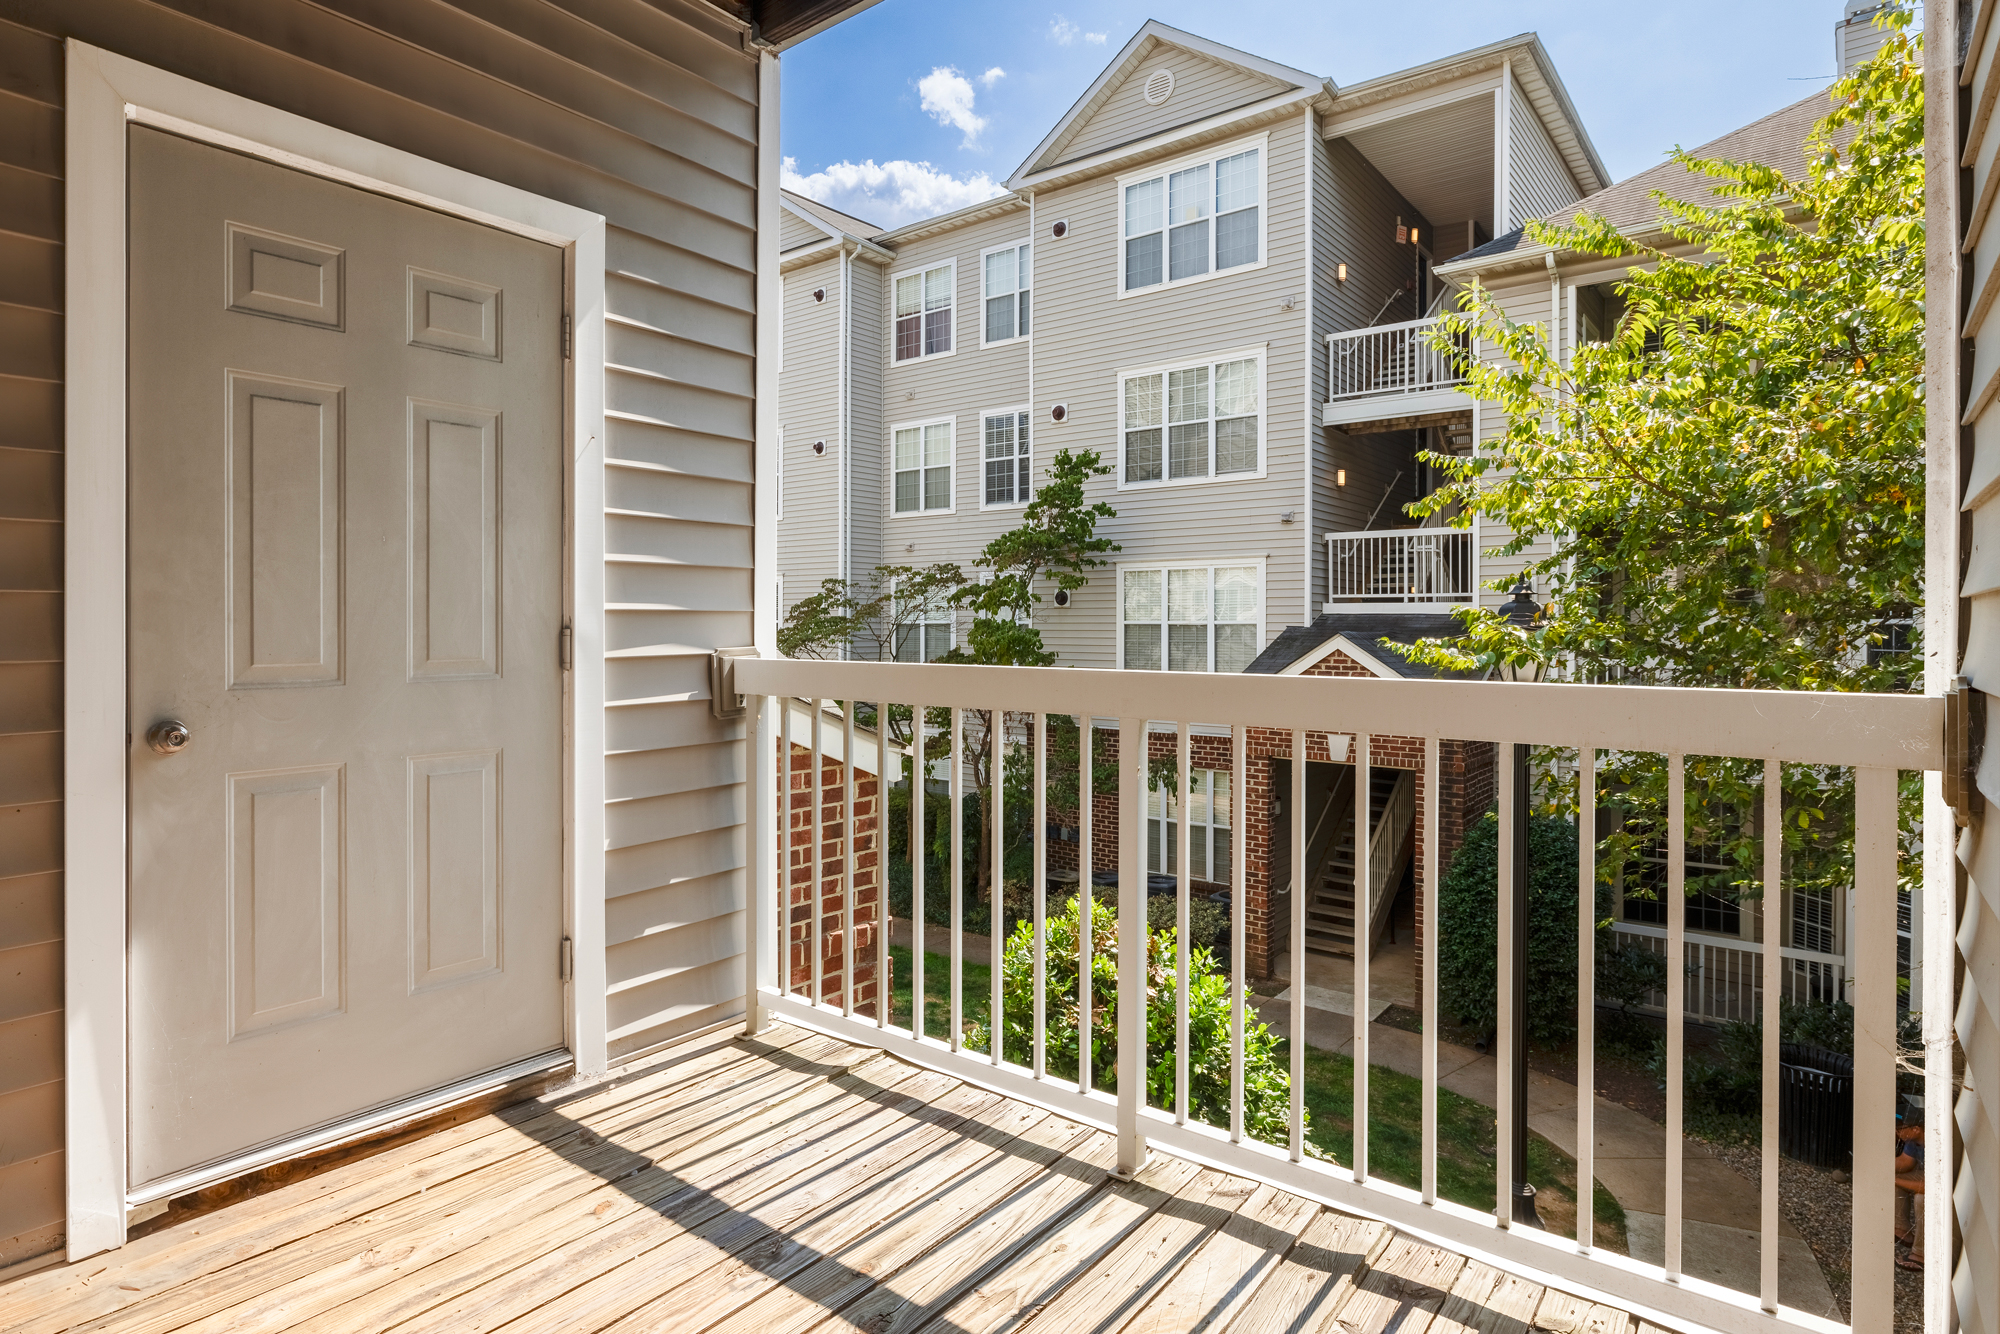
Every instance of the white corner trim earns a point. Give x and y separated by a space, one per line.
106 93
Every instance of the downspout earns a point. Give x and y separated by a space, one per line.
1034 428
844 554
1308 569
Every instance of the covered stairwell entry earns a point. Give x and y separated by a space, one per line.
1330 916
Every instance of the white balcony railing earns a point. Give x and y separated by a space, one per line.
1725 978
1411 565
1388 359
812 928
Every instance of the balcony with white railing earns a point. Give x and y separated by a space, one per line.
1389 370
1116 1049
1401 566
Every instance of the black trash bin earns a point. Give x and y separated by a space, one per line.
1815 1105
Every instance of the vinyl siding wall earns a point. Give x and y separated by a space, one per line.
867 297
795 231
1086 336
1541 183
645 112
809 410
1202 88
1525 301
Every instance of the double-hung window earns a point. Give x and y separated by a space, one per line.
1208 838
1193 219
1007 275
1194 618
923 633
1183 423
922 466
1006 436
923 312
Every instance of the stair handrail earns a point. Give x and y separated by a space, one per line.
1343 782
1397 817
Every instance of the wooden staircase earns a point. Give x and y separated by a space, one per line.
1330 910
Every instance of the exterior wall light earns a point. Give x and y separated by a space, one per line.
1340 272
1340 477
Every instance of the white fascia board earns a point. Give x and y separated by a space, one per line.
1270 108
1340 644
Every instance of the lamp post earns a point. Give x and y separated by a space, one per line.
1521 610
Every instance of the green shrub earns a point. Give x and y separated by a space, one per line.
1266 1085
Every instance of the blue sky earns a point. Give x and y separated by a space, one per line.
917 107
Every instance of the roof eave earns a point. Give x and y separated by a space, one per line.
1110 159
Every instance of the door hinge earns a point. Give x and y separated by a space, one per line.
563 650
566 963
1964 747
565 336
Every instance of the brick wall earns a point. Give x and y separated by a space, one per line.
834 852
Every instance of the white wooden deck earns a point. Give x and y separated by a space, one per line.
781 1185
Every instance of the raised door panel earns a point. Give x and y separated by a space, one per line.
286 887
454 509
454 867
285 277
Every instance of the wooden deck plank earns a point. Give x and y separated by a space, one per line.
544 1174
663 1266
1562 1313
836 1280
1401 1290
1219 1280
1314 1278
1010 1293
832 1241
76 1292
905 1300
1486 1300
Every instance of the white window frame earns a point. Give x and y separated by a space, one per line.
1164 170
1028 288
1263 596
918 272
951 490
1163 369
949 619
1162 814
1023 415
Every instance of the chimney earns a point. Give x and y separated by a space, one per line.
1855 37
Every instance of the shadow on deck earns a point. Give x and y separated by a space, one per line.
788 1183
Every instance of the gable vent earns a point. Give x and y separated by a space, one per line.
1159 86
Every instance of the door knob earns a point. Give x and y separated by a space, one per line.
168 737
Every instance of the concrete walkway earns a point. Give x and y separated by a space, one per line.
1630 1163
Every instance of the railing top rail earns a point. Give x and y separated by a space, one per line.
1381 328
1880 731
1410 533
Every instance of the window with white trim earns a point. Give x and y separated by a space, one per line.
1184 423
1007 469
1208 838
922 466
1006 274
923 312
923 634
1199 218
1193 618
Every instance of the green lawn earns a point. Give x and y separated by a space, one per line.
1466 1128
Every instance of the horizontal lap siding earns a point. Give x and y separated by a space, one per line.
1525 303
1202 88
1086 336
31 536
1541 184
809 410
867 288
642 110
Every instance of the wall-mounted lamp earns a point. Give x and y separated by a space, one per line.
1340 272
1340 477
1413 236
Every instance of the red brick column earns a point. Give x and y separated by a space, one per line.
835 856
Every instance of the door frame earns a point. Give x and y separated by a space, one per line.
108 93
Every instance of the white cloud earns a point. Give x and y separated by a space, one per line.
1062 32
889 193
992 76
948 97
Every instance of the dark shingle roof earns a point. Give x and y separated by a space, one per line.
1371 631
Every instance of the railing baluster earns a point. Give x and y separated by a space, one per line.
756 903
850 834
1677 989
1364 919
1433 806
1506 1170
819 849
1038 1025
1772 963
1085 735
957 875
1298 1028
1586 994
919 777
1132 943
1239 874
996 897
1183 869
883 753
1872 928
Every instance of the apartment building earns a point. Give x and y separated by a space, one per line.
1215 271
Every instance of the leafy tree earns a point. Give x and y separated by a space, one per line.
1730 486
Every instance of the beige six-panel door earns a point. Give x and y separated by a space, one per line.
346 561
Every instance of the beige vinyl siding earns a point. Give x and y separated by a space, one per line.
809 410
1527 301
1085 336
1539 182
961 386
794 231
31 543
644 112
1202 88
868 288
